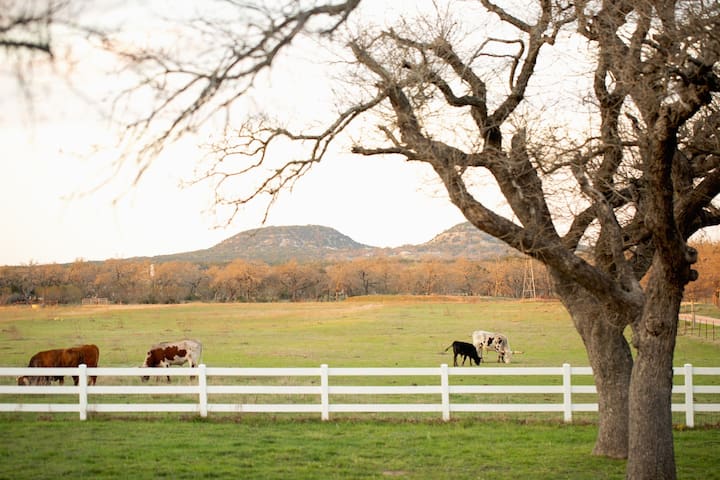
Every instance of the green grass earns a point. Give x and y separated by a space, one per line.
369 332
288 449
705 309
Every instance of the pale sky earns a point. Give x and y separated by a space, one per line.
57 205
53 213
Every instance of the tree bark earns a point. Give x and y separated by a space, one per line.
611 360
651 452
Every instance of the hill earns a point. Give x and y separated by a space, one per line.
462 240
275 245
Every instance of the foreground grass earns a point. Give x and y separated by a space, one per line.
285 449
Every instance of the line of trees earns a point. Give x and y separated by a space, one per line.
141 281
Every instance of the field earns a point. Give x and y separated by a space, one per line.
367 332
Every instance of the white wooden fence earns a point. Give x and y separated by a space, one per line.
323 388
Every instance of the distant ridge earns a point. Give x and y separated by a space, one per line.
463 240
308 243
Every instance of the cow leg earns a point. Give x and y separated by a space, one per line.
192 364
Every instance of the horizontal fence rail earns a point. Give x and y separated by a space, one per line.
441 389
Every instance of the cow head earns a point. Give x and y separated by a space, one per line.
29 380
503 347
149 359
149 362
507 355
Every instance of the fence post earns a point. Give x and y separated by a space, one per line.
82 391
324 393
567 393
689 402
445 391
202 387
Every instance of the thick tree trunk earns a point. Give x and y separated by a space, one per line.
612 363
651 454
651 451
612 366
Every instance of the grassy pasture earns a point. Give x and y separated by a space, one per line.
366 332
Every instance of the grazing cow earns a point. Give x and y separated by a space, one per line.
483 339
46 358
465 350
62 357
173 353
502 347
84 354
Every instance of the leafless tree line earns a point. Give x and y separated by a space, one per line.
140 281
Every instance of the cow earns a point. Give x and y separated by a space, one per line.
465 350
173 353
46 358
502 347
483 339
62 357
84 354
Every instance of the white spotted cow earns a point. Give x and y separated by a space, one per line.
173 353
483 339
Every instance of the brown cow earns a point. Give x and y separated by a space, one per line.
84 354
46 358
62 357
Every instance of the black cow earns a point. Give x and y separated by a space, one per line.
465 350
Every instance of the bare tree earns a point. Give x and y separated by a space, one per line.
26 26
456 95
26 35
